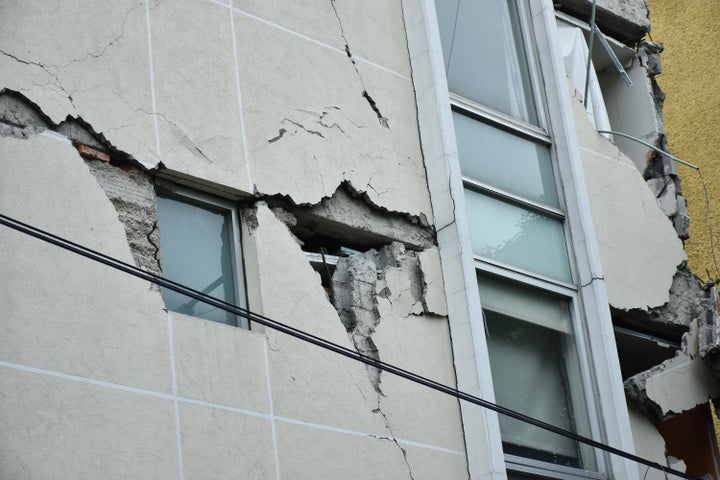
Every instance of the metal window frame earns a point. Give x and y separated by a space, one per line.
534 468
165 188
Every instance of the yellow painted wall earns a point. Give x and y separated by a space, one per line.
691 78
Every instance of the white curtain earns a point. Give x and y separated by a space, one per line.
575 53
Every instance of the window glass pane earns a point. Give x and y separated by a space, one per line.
535 371
526 365
484 56
196 251
544 310
447 11
517 236
509 162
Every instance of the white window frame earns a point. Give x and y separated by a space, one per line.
165 188
589 300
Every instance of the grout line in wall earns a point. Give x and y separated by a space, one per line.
78 378
311 40
227 408
608 157
151 68
238 92
356 433
178 433
269 416
276 456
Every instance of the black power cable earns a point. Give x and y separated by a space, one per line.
320 342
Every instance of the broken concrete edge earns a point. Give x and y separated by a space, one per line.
352 217
126 182
346 185
677 385
22 118
369 287
695 309
29 120
686 302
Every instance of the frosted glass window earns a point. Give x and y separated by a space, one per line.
196 246
535 371
507 161
484 55
526 361
517 236
519 301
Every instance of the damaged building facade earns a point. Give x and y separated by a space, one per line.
420 182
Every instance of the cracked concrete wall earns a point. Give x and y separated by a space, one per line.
309 104
649 285
251 99
130 189
132 193
349 216
339 392
639 248
390 282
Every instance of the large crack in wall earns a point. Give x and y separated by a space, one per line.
373 105
389 281
348 217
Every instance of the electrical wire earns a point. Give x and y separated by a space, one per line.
590 52
320 342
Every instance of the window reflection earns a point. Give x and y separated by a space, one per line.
485 57
517 236
197 251
535 370
505 160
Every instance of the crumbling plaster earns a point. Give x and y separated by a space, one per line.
639 248
349 217
132 193
298 370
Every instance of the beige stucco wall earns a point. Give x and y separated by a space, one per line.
690 80
98 380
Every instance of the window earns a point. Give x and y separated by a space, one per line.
200 247
518 231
